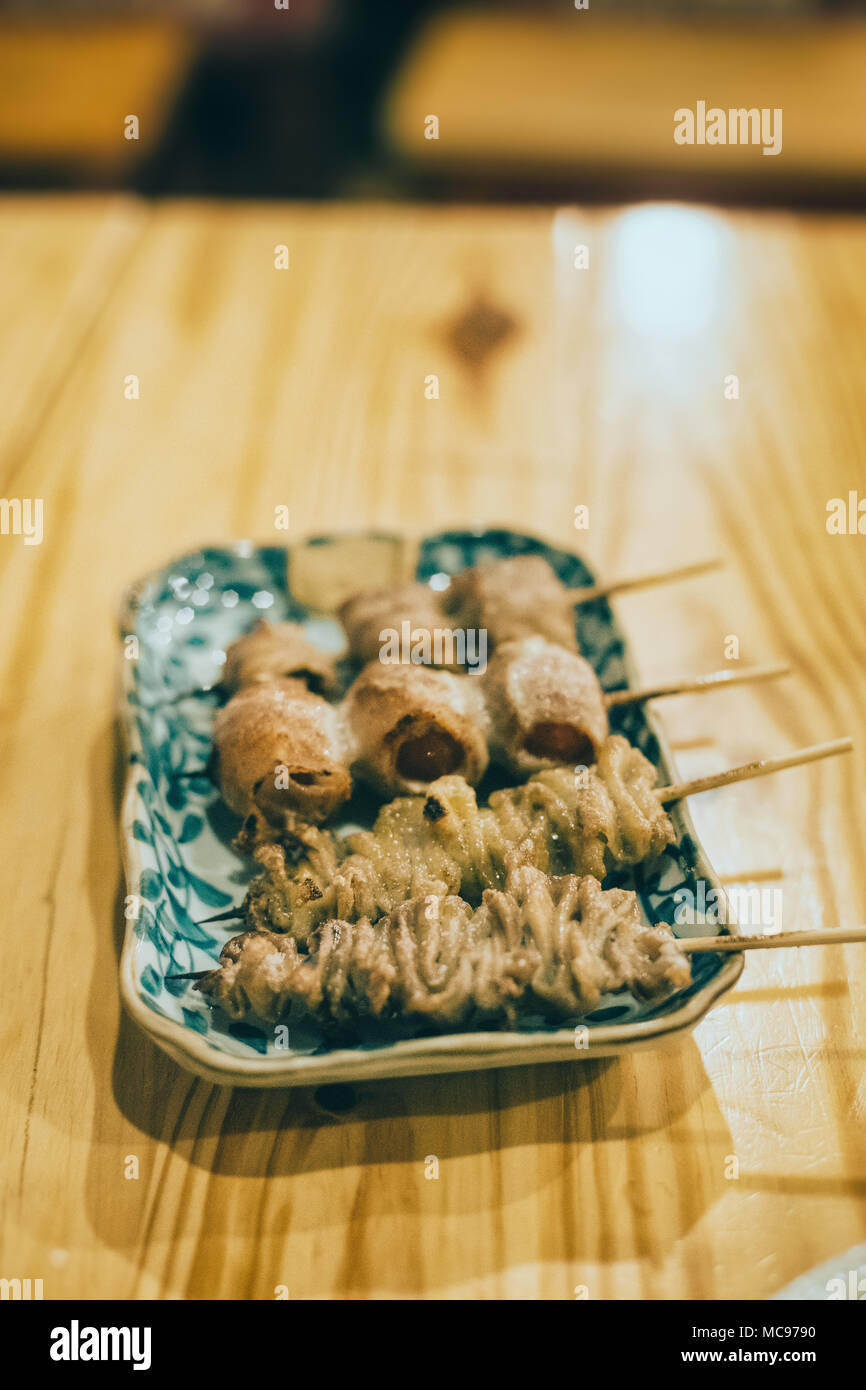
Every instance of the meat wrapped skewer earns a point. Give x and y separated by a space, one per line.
272 651
372 612
545 706
536 706
607 816
400 727
281 750
279 758
409 725
511 599
507 599
552 946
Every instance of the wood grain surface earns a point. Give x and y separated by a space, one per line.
722 1167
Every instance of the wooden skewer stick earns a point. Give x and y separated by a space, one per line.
761 768
692 685
832 936
607 589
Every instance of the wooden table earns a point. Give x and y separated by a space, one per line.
602 387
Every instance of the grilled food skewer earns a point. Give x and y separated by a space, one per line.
608 816
545 706
728 945
553 945
279 757
285 756
278 651
507 599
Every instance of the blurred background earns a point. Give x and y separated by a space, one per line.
535 101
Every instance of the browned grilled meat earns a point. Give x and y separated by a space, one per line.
508 599
279 758
272 651
544 705
552 946
561 821
408 725
366 616
511 599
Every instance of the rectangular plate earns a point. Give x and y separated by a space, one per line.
177 832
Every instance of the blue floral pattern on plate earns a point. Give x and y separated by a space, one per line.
177 832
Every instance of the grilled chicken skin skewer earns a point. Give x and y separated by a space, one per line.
605 817
443 842
551 946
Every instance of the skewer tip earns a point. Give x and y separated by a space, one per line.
696 685
761 767
232 914
609 588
